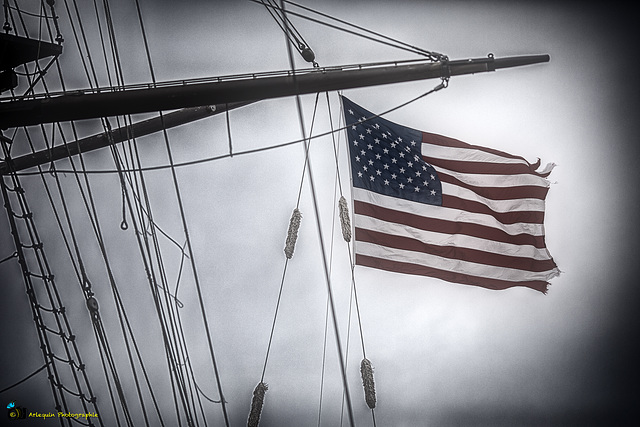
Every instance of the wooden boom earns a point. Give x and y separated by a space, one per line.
78 106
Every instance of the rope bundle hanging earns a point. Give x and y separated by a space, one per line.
366 370
292 234
345 222
256 404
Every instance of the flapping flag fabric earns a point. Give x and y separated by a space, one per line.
430 205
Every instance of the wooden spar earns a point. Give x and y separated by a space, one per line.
80 106
123 133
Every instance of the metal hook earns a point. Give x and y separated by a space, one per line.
123 224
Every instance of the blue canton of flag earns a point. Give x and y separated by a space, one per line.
386 158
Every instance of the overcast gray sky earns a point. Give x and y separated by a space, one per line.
443 354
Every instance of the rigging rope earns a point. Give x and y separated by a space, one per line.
88 199
34 373
366 368
84 38
343 215
59 39
431 91
172 166
82 276
6 27
337 184
293 35
13 255
167 321
47 280
99 239
186 232
58 311
167 325
101 334
124 225
245 152
294 224
152 281
433 56
275 316
226 114
321 240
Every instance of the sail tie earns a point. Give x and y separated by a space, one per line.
345 222
256 404
366 371
292 234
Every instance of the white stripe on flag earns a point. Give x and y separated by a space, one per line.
467 154
502 181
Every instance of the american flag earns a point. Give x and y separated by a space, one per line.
430 205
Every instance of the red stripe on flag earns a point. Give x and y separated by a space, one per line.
445 141
446 227
527 217
478 167
449 276
454 252
499 193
